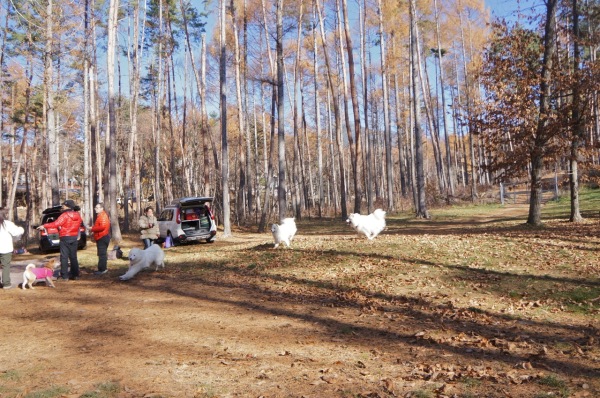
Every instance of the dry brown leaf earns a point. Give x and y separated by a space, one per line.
329 379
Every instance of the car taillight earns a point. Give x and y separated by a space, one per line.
178 217
43 232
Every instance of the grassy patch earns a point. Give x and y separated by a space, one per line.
589 205
11 375
554 382
206 391
103 390
52 392
421 394
471 382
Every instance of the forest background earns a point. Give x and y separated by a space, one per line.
311 107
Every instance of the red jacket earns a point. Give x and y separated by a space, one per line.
101 227
67 224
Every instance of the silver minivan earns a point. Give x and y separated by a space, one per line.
188 219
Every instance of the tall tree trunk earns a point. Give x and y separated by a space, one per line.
468 99
367 171
269 179
135 55
241 189
224 143
52 134
421 205
269 166
357 158
112 150
318 119
248 165
336 111
401 143
159 105
440 55
386 113
2 127
296 164
341 65
15 179
281 189
579 123
206 134
425 90
87 92
537 153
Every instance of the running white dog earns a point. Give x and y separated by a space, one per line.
141 259
284 232
370 226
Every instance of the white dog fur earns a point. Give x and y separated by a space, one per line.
141 259
284 232
370 225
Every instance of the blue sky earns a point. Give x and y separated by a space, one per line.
510 9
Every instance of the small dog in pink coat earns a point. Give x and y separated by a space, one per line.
32 274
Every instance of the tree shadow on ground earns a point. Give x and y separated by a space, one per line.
490 334
416 313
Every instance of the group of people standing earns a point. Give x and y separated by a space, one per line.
68 225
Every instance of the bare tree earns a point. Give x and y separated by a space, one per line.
52 134
579 127
223 103
318 117
439 53
241 189
110 200
386 113
537 152
281 189
354 95
420 205
336 112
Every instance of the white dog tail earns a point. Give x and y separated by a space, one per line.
379 213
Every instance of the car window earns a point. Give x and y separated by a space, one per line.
49 218
166 215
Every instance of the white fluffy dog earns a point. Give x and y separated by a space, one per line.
141 259
370 226
284 232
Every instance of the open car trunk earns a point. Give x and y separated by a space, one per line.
196 218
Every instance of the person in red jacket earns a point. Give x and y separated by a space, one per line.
68 224
101 231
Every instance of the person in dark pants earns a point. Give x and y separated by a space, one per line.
8 230
101 231
68 224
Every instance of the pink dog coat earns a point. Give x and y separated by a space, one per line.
42 273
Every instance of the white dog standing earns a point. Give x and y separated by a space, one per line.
284 232
370 226
141 259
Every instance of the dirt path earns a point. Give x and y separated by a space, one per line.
215 323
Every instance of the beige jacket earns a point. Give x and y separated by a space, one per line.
147 231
